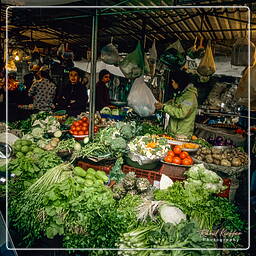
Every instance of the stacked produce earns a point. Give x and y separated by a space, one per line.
200 178
220 141
81 127
179 157
132 185
148 147
224 157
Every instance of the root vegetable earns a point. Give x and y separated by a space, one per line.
236 162
224 162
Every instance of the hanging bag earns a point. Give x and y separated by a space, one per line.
207 65
239 56
242 89
132 65
141 99
109 54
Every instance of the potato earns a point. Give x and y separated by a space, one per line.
225 162
217 156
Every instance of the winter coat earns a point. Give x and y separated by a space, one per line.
102 96
182 111
73 99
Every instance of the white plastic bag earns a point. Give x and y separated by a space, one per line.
141 99
152 58
109 54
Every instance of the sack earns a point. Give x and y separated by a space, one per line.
132 65
239 56
141 99
196 52
207 65
242 89
109 54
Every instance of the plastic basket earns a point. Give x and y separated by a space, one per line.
173 171
85 166
226 192
140 173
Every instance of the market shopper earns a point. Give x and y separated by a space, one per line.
43 91
102 98
73 97
182 108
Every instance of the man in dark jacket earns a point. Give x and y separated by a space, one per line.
74 95
102 93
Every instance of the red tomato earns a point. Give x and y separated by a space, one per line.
75 132
86 132
80 122
83 128
71 131
186 161
183 155
96 128
84 119
78 128
85 124
168 159
177 150
170 153
76 123
176 160
81 133
73 128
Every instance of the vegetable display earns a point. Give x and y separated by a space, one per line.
225 157
149 147
50 197
177 156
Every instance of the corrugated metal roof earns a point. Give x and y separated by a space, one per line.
50 27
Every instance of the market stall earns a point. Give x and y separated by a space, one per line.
117 178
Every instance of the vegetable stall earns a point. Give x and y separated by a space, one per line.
117 178
79 190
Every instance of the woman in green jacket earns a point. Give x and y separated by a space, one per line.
183 108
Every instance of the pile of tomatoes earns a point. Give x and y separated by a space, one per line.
81 127
177 156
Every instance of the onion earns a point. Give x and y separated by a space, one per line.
228 142
219 139
211 140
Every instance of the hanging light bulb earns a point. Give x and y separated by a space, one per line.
17 58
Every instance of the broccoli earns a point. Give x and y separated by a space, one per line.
118 144
126 132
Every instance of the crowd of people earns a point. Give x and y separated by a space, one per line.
41 93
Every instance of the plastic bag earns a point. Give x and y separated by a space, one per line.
132 65
174 56
239 56
109 54
141 99
152 58
192 51
242 89
207 65
196 52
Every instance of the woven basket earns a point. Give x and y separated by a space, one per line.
229 170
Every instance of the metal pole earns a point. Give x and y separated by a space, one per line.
93 74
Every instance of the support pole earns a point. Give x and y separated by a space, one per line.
93 73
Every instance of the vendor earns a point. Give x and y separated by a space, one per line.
43 91
74 95
182 108
102 98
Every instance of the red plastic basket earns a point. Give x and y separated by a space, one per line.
150 175
225 193
85 165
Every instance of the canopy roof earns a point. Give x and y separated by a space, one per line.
48 27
